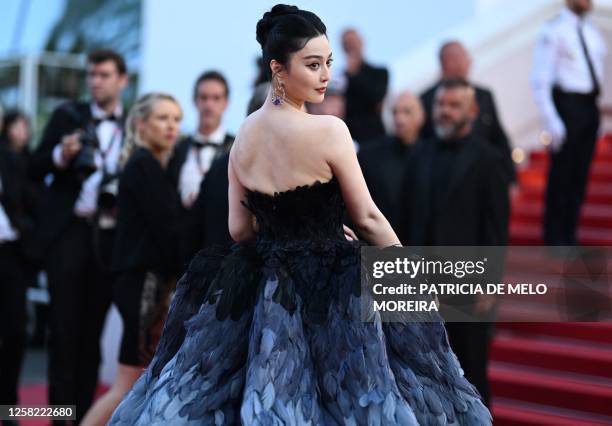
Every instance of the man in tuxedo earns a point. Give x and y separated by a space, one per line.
13 229
455 63
194 154
206 221
79 150
365 91
457 194
192 162
384 163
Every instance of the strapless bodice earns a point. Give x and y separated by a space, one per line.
309 212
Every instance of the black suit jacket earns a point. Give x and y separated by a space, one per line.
206 222
475 209
487 125
13 195
364 95
383 164
180 154
147 230
55 210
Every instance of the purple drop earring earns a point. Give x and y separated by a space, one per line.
278 92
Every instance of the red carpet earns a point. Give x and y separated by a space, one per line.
37 395
556 373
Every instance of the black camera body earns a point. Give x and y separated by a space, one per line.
84 163
107 201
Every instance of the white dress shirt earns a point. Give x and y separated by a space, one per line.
560 61
110 137
196 165
7 231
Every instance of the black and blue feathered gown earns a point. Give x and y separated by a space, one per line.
271 334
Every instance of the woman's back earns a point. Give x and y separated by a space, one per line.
273 332
280 149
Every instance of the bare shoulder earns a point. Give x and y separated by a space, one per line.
331 131
241 142
329 123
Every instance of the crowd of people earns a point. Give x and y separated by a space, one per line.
112 204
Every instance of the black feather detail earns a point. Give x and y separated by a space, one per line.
271 334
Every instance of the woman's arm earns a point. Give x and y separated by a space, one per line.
369 222
240 220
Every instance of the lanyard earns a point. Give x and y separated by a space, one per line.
104 153
197 151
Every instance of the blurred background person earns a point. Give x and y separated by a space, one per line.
13 230
365 91
456 193
145 256
384 163
194 154
192 161
455 63
16 132
566 79
80 149
16 136
206 223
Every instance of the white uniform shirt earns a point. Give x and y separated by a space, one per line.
560 61
196 165
110 137
7 231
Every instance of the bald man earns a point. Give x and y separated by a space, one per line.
365 91
455 63
456 194
384 162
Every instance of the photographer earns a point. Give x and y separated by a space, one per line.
77 157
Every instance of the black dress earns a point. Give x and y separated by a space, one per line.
271 333
145 254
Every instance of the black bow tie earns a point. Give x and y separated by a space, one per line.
111 117
204 144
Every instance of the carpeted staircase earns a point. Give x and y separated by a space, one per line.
555 373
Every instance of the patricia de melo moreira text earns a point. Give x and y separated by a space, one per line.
459 269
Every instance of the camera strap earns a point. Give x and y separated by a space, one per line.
104 153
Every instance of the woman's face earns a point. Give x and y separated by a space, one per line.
308 72
160 130
19 134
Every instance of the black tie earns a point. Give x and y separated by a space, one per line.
585 49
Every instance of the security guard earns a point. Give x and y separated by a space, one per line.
566 80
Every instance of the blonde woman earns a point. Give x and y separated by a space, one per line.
145 254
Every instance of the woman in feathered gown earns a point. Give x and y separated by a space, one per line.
270 332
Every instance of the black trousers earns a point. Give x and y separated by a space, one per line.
80 297
569 167
471 342
12 321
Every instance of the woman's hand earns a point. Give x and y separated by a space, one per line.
349 234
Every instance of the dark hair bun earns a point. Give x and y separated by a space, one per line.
286 29
268 20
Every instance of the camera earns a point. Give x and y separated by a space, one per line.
107 201
85 162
